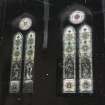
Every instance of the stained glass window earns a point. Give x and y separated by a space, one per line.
29 62
85 59
69 62
16 64
77 54
25 23
77 17
22 63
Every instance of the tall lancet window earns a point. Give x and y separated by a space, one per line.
22 63
29 62
69 60
85 59
16 63
77 51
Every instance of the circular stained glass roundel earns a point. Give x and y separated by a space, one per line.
77 17
25 23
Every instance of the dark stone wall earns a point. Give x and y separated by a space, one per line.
46 62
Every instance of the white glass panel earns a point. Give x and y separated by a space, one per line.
16 63
29 62
69 63
85 60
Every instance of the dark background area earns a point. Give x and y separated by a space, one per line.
46 62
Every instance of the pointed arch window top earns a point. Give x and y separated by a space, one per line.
85 28
69 30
